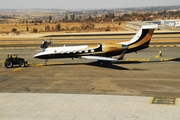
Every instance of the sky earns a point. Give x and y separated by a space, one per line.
82 4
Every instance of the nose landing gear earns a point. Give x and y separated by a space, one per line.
45 62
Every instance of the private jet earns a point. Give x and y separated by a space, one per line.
102 52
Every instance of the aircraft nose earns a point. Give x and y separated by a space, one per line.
37 56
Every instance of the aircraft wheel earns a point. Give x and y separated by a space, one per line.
44 64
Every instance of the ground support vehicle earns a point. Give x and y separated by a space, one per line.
12 60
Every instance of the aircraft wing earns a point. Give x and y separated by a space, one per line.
98 58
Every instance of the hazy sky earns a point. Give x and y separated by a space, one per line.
82 4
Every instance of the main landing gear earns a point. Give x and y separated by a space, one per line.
45 62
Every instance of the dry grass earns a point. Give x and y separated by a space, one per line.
65 27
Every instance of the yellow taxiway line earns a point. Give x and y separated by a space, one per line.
50 63
18 69
137 59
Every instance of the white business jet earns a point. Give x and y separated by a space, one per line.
101 52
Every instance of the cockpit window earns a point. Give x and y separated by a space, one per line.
44 50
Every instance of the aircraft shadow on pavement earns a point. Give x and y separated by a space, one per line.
96 64
141 62
175 59
114 64
110 66
127 62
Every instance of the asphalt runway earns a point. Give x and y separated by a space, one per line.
141 74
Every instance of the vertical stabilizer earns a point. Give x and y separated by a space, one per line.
141 39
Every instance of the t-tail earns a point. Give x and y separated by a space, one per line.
141 40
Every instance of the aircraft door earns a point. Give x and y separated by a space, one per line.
52 53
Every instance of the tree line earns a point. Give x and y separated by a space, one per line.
87 22
129 16
109 17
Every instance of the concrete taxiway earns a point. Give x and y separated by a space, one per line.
142 86
38 106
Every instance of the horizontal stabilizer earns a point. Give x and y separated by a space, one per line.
98 58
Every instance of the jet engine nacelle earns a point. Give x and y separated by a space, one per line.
114 47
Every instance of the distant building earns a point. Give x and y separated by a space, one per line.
175 23
137 25
169 22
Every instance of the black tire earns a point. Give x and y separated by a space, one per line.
8 64
21 63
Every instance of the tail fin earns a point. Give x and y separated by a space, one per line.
141 39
